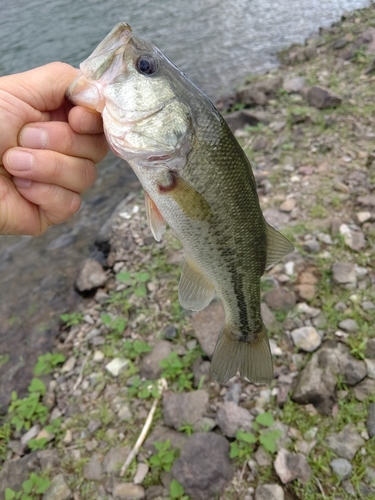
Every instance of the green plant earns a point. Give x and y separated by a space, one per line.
187 428
165 456
27 411
177 369
32 488
176 490
116 325
143 389
5 434
71 319
133 348
47 362
136 282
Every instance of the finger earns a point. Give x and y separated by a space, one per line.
59 137
85 121
49 167
56 204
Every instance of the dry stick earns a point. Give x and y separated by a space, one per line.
162 385
80 376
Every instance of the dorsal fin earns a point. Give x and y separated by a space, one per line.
195 290
277 246
154 218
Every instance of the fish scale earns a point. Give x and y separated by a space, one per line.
198 180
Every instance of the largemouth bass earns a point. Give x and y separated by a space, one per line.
198 180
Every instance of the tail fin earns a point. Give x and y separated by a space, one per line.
252 359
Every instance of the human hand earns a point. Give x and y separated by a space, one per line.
48 150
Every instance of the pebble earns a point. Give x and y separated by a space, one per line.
343 273
93 470
365 389
58 489
125 413
345 443
98 356
115 366
128 491
288 205
142 470
269 492
363 217
306 338
349 325
206 324
371 420
185 408
280 299
311 246
290 466
150 365
68 438
370 367
342 468
91 276
114 459
230 418
69 365
30 434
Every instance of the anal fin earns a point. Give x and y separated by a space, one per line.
155 220
195 290
277 246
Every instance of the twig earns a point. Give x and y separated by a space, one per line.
320 487
162 385
80 376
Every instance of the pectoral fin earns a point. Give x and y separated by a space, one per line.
154 218
195 291
277 246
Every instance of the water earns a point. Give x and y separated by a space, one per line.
216 43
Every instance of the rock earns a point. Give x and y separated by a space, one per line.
142 470
311 246
294 84
128 491
367 200
93 470
207 324
98 356
240 119
345 443
170 332
343 273
371 420
115 366
69 365
370 368
258 93
114 459
306 338
263 459
342 468
58 489
355 240
268 317
15 472
365 389
370 349
185 408
202 472
156 493
363 217
348 325
201 371
162 433
260 144
48 459
269 492
30 434
150 366
125 413
277 219
322 98
288 205
91 276
280 299
305 291
290 466
230 418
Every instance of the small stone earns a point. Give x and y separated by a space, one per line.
202 473
170 332
309 312
128 491
150 366
311 246
290 466
48 459
279 299
44 434
262 458
267 316
30 434
368 200
269 492
322 98
162 433
294 84
306 338
367 305
240 119
125 413
58 489
115 366
206 324
371 420
349 325
69 365
142 470
363 217
342 468
370 367
185 408
345 443
233 393
305 292
68 438
365 389
343 273
370 349
288 205
93 470
98 356
230 418
91 276
114 459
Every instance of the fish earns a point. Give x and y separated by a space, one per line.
197 180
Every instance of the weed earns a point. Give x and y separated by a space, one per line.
177 370
71 319
143 389
27 411
47 362
133 348
32 488
136 282
5 435
176 490
164 458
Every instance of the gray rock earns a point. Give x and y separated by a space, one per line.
186 408
294 84
345 443
230 418
344 273
15 472
268 317
156 493
370 349
201 369
48 459
150 366
204 468
263 459
91 276
30 434
93 470
370 367
348 325
240 119
371 420
280 299
170 332
311 246
162 433
58 489
367 200
114 459
277 219
233 393
290 466
142 470
322 98
269 492
115 366
306 338
128 491
342 468
207 325
365 389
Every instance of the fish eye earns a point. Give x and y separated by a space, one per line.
146 65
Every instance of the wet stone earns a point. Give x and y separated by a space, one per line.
269 492
58 489
342 468
345 443
290 466
230 418
202 473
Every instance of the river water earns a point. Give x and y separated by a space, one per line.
215 42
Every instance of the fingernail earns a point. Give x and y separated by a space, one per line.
20 160
21 183
86 124
32 137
